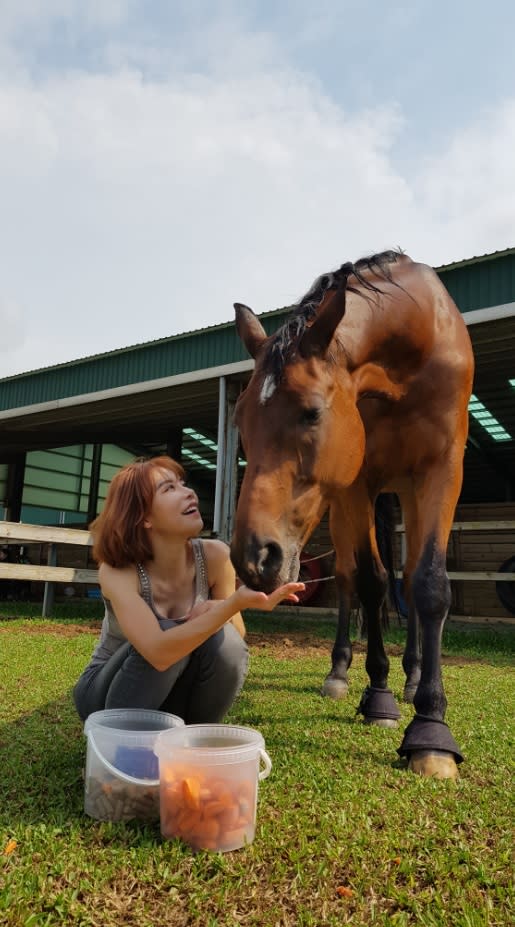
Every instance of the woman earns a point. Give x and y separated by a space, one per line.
168 637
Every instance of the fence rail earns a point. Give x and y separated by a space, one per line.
19 533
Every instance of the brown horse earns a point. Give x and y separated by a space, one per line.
363 391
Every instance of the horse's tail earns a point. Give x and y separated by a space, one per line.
385 534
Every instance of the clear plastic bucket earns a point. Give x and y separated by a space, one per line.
209 776
122 770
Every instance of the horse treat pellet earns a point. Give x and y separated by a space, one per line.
114 800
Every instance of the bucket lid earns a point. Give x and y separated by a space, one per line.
216 743
132 720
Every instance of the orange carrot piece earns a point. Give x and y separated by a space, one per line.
191 792
229 817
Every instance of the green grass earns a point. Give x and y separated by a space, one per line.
338 811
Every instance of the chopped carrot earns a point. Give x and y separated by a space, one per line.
206 830
191 792
344 892
213 807
229 817
206 812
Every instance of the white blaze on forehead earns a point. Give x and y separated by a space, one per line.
268 389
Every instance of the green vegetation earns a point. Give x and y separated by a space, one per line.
345 835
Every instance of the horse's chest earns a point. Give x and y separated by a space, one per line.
399 442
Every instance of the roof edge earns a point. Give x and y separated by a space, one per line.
218 326
478 259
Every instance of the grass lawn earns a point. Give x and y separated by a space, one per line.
345 835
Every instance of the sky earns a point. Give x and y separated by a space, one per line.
163 159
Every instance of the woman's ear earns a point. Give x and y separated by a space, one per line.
147 523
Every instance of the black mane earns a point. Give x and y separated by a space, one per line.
288 336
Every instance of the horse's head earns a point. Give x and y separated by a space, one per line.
302 436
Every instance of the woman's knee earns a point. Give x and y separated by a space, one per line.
225 652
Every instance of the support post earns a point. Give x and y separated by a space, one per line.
48 597
220 457
94 483
174 444
226 462
230 480
14 488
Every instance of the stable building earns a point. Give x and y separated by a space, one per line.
65 430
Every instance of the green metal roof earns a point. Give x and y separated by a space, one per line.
480 282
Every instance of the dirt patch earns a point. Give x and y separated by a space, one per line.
57 630
296 644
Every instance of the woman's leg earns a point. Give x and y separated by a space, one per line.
199 688
125 681
212 679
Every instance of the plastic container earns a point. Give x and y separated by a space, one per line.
209 776
122 770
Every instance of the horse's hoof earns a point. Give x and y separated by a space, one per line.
335 688
381 722
435 763
378 707
409 694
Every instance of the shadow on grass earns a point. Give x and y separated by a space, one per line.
41 774
43 753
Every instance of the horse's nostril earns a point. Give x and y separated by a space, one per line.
270 559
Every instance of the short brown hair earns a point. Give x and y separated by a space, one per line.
119 535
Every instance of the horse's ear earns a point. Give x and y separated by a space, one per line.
249 329
317 338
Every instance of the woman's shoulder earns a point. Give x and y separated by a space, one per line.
215 549
110 577
216 552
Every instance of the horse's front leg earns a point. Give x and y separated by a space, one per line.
378 705
428 743
358 565
335 684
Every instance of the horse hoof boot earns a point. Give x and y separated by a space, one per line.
434 763
335 688
381 722
378 707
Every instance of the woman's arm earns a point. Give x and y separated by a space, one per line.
163 648
221 576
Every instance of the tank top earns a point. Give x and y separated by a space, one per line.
112 636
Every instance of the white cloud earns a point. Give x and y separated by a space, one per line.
12 329
140 209
468 190
134 207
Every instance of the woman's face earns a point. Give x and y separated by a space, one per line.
174 507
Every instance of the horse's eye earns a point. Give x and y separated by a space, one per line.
310 416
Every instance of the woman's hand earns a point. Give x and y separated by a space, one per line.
250 598
245 598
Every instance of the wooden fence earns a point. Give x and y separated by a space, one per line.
50 573
21 535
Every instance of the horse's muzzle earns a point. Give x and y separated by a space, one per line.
260 564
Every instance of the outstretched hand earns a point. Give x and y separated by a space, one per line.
250 598
247 598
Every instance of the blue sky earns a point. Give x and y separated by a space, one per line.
162 160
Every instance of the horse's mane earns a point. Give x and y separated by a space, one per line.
286 338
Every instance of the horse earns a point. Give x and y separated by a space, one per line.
363 391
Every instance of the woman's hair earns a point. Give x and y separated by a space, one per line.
119 534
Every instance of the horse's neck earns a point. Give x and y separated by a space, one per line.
384 333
